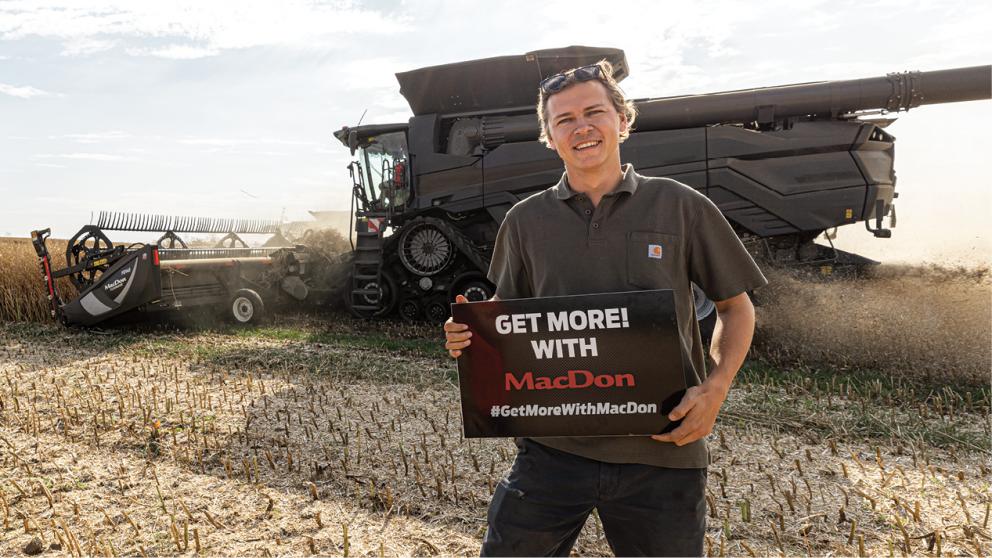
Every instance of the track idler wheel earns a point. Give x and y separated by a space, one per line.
437 310
246 307
475 291
410 310
385 299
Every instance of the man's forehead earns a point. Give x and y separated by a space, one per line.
577 97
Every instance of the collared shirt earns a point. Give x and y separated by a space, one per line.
648 233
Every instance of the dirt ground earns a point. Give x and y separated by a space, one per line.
328 436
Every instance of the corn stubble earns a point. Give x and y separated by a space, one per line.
152 446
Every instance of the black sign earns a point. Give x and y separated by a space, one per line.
590 365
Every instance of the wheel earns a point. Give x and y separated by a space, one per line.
385 299
425 250
410 310
89 243
705 314
475 291
246 307
437 310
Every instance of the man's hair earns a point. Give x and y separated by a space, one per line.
621 103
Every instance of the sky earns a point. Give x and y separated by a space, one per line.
227 109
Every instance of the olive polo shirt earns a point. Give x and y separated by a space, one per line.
556 243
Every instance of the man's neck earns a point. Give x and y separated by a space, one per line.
596 183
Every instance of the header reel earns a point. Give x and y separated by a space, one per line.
89 254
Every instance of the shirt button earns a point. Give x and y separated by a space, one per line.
595 225
588 212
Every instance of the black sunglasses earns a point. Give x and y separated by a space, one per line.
558 81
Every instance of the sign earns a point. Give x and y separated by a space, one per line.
589 365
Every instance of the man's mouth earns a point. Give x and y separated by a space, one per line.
586 145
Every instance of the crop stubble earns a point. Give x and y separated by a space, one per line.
172 443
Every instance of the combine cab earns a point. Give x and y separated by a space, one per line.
116 280
785 165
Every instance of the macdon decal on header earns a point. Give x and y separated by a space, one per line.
574 379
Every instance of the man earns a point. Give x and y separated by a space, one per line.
604 228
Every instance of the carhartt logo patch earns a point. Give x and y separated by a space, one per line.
654 251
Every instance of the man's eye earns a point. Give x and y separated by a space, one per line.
563 121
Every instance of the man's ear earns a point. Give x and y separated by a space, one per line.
550 143
623 122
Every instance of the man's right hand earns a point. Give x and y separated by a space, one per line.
457 334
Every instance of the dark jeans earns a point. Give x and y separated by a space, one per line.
539 509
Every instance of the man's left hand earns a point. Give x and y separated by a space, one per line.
698 409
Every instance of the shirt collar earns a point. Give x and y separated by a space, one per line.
627 184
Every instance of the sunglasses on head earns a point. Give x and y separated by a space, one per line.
558 81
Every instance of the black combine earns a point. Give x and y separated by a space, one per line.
785 165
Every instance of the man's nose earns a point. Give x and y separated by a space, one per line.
582 126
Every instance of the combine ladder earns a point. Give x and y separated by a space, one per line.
367 265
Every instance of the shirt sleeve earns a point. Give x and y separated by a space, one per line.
507 270
718 262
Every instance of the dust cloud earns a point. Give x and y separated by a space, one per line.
917 320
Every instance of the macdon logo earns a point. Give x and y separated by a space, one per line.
574 379
115 283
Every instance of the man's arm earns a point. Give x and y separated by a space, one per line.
731 341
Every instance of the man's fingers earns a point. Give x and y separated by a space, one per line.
457 344
459 336
681 436
454 326
682 409
674 435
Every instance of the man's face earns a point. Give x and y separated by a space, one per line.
584 128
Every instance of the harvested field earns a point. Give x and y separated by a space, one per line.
331 436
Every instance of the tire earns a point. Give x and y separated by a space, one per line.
388 290
706 326
246 307
705 314
475 290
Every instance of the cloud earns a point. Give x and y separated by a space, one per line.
234 143
191 29
84 46
24 91
94 137
84 156
175 52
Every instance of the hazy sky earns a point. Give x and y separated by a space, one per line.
226 109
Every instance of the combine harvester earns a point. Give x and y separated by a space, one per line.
784 164
231 278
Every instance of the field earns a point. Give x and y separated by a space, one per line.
21 286
327 436
320 434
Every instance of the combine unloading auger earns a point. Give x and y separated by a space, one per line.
115 279
784 164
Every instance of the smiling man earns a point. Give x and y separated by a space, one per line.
605 228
